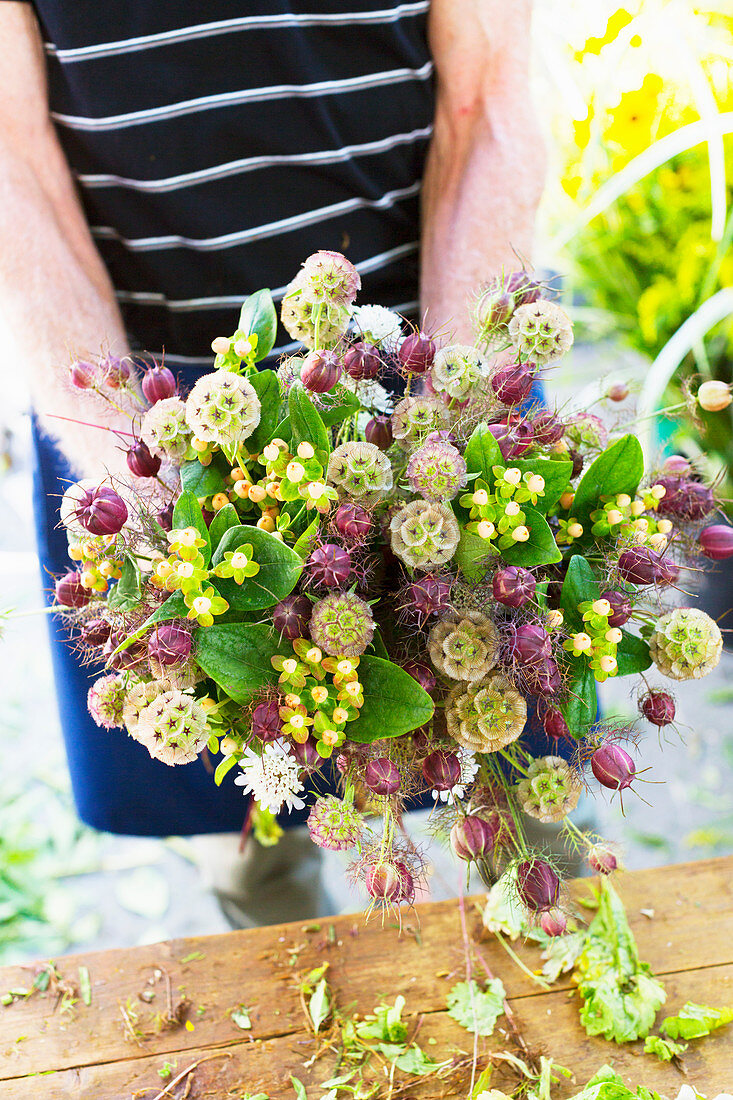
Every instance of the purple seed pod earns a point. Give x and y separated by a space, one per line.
472 837
716 542
352 521
578 462
381 776
523 287
677 465
537 884
307 756
383 881
158 384
321 371
512 383
621 606
266 721
553 922
101 511
513 439
529 643
554 724
378 431
495 307
547 428
416 353
513 586
619 391
613 767
543 678
407 882
165 517
291 616
329 566
685 498
95 632
658 707
420 672
430 595
141 461
641 565
169 643
602 859
130 657
82 375
115 371
441 770
70 592
362 361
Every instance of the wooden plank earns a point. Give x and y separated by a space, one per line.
549 1022
692 928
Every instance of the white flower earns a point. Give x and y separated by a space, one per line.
372 395
469 768
378 325
272 778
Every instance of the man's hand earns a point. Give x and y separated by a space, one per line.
486 163
56 299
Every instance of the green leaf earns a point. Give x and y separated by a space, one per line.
473 556
342 404
619 469
693 1021
664 1049
127 593
223 768
237 657
305 421
556 473
303 546
394 703
225 518
483 453
632 655
477 1009
580 584
187 513
268 390
319 1005
258 315
580 708
173 608
410 1059
202 481
85 985
299 1088
278 574
539 549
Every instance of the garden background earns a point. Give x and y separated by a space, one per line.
635 229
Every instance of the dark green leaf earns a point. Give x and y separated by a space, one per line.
378 646
225 518
482 453
580 584
394 703
632 655
473 556
619 469
305 421
556 473
539 549
237 657
580 707
258 315
187 513
342 404
202 481
268 390
280 568
126 594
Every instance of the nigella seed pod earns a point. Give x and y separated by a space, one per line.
543 677
547 428
307 756
329 566
441 770
70 592
141 461
658 708
383 881
382 777
362 361
158 384
378 431
619 391
165 517
321 371
169 643
513 439
82 375
529 643
685 498
716 542
101 511
115 371
553 922
613 767
430 595
495 307
523 287
621 606
407 882
129 657
676 464
424 675
95 632
352 521
266 722
642 565
291 616
537 884
512 383
416 353
577 461
602 859
472 837
554 724
513 586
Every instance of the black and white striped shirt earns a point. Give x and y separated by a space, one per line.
216 143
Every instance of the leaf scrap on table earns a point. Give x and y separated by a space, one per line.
477 1009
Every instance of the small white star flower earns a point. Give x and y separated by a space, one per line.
272 778
378 325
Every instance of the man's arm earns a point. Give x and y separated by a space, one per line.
56 299
485 166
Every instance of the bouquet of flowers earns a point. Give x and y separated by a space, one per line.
388 567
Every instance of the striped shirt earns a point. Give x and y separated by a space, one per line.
216 143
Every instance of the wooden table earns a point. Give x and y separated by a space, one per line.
84 1052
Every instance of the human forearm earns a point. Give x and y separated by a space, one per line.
486 161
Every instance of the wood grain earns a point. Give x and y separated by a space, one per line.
689 940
